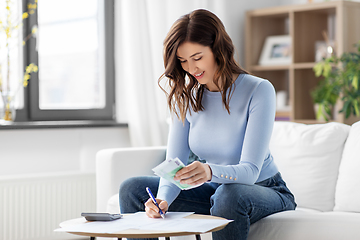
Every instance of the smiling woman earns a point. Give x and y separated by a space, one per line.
225 116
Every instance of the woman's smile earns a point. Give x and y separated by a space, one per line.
199 75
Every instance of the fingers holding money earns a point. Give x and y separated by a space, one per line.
193 174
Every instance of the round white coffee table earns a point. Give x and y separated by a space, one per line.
136 233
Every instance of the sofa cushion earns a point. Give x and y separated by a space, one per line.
308 157
304 224
347 196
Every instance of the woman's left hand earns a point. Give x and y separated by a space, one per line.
193 174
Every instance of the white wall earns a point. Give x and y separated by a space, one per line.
31 151
234 20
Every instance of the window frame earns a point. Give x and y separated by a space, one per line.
32 111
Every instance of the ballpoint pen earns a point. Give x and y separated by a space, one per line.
154 200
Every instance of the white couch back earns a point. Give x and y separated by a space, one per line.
308 157
113 166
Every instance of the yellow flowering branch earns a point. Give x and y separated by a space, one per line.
32 68
8 27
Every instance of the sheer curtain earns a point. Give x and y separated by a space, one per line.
140 28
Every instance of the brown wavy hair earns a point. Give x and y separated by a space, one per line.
205 28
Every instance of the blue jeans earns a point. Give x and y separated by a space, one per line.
245 204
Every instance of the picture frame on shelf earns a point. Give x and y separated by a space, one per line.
276 51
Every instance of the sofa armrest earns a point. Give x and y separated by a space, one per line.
115 165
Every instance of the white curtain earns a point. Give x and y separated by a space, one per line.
140 28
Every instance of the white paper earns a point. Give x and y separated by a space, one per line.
174 221
98 227
133 221
141 216
185 225
141 221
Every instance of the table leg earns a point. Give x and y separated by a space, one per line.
167 238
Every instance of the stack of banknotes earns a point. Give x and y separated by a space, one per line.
168 168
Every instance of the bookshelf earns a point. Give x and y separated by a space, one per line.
305 25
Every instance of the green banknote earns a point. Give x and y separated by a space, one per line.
168 169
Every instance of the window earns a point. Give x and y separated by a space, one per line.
73 49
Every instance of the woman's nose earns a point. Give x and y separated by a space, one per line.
192 68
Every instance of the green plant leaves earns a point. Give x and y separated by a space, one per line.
323 68
318 69
356 107
355 82
341 76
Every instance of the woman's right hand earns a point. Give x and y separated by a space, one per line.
152 210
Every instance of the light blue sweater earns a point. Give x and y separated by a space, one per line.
235 145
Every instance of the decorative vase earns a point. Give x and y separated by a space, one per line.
8 110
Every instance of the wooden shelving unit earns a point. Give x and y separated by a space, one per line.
305 24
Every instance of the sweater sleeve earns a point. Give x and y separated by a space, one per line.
177 146
255 150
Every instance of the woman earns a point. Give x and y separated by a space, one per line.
225 116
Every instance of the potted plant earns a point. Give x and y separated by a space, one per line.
341 76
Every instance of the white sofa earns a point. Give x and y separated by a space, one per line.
319 162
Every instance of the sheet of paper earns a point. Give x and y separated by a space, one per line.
174 221
141 216
98 227
139 220
168 168
135 221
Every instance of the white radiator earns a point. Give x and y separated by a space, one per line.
31 207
